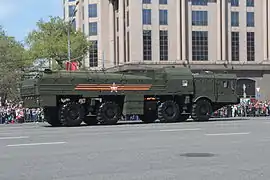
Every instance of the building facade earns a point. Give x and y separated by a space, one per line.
232 35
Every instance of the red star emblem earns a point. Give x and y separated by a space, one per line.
114 88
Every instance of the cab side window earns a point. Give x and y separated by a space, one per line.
233 85
225 84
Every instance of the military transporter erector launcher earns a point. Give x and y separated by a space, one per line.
168 94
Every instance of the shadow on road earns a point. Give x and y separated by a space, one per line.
157 122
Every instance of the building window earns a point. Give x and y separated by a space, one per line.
127 18
147 16
163 2
93 29
146 1
93 54
92 10
235 46
82 12
163 45
147 45
250 46
234 19
199 2
250 19
250 3
71 10
163 17
199 45
234 2
117 24
199 18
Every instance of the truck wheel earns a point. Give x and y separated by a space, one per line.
168 111
201 110
51 116
90 120
109 113
72 114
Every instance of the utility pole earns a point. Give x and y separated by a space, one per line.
244 91
245 96
68 32
69 51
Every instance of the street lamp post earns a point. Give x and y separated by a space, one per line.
68 33
69 51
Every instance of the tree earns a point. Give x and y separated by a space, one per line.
50 41
13 59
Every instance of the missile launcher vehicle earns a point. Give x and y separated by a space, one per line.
168 94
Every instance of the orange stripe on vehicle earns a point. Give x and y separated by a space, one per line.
107 87
115 84
112 86
119 87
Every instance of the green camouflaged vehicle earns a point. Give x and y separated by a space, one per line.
168 94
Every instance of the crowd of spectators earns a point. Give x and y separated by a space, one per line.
15 113
248 108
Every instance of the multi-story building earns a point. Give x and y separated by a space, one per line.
231 35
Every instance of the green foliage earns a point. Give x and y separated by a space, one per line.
12 53
13 58
50 41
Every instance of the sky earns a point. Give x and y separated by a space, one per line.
19 17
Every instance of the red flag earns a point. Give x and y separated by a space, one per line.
71 66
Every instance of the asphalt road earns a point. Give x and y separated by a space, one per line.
223 150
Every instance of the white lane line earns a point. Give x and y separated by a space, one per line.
228 134
174 130
18 137
6 133
36 144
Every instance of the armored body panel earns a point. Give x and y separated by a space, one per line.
220 88
147 93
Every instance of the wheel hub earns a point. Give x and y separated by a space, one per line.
169 111
73 114
204 110
110 113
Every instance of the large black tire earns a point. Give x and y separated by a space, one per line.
51 116
109 113
168 111
90 120
201 110
72 114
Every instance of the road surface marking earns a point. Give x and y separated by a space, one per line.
18 137
228 134
36 144
173 130
6 133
